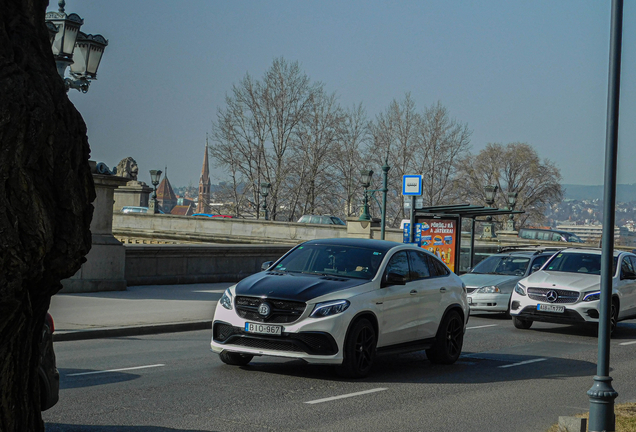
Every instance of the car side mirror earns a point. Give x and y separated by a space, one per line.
266 265
392 278
535 268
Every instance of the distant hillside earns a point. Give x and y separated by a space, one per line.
624 192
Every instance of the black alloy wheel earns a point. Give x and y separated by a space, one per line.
613 317
521 323
359 350
449 340
235 359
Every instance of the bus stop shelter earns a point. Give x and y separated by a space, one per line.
438 229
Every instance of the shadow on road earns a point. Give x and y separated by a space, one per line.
471 368
70 381
61 427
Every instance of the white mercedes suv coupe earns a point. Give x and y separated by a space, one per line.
341 302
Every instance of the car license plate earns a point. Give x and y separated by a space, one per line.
470 300
550 308
263 329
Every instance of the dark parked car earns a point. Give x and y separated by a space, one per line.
48 375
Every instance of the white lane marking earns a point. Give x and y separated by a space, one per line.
346 396
628 343
116 370
522 363
484 326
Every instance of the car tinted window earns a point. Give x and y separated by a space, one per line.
336 221
557 237
314 219
399 264
437 267
321 259
527 234
632 260
539 261
627 267
419 265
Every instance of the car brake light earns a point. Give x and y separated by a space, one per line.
49 320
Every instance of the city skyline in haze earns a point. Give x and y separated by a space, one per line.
513 71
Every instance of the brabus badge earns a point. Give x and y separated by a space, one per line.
264 310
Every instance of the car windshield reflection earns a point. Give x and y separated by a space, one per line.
503 265
343 261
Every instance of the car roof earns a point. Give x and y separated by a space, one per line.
595 251
380 245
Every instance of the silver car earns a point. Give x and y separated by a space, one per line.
491 282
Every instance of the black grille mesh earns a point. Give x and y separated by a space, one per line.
309 342
283 311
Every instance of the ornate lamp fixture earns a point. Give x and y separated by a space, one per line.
264 192
489 226
155 176
366 182
512 202
82 52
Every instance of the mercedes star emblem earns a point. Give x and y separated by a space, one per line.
551 296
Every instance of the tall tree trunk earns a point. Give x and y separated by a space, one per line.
45 193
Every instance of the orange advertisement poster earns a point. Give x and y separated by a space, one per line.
439 236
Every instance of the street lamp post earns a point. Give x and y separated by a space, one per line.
71 48
512 202
155 175
366 182
491 191
385 189
264 192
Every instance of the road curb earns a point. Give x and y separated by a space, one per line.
85 334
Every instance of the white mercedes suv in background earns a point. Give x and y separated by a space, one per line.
341 302
567 290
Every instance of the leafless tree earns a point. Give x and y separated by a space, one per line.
255 133
514 167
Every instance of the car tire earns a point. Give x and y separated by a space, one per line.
521 323
359 350
235 359
613 317
448 341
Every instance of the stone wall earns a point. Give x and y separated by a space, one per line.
182 264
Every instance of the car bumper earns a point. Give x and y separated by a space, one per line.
488 302
316 341
573 313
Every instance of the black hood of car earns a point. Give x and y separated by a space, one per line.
293 286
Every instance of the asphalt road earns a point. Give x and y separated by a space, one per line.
506 380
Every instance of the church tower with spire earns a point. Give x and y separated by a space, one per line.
166 198
203 206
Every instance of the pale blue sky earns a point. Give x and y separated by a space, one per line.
513 70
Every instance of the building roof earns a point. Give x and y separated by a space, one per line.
165 192
182 210
205 171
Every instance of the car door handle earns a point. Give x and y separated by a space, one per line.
413 292
442 289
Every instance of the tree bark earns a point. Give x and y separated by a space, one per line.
45 193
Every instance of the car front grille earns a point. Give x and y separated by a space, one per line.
563 296
309 342
283 311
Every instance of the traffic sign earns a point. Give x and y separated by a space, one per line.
412 185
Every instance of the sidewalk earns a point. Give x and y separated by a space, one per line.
136 311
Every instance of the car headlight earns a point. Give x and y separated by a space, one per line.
520 289
489 289
329 308
226 299
592 296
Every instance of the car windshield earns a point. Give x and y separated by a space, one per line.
577 263
322 259
503 264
